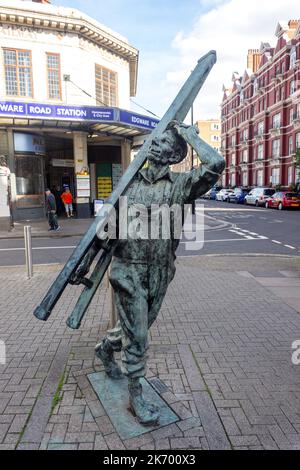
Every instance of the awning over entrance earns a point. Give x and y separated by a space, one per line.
92 119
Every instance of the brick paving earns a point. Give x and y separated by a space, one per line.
221 346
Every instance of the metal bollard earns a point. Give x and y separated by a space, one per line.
28 250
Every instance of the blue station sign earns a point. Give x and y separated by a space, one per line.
75 113
137 120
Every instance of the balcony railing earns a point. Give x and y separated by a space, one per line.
261 89
259 136
276 129
277 77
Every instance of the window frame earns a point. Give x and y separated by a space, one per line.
290 145
290 174
276 145
293 57
260 128
16 50
292 87
276 121
102 102
59 75
260 152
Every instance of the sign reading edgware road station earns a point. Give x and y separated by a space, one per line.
70 113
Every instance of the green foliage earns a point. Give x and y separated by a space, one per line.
58 396
293 187
297 158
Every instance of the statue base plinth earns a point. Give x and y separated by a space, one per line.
113 395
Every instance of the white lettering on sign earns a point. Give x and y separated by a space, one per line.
39 110
11 108
71 112
143 122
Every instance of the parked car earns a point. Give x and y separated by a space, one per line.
227 194
238 196
258 196
283 200
214 191
223 194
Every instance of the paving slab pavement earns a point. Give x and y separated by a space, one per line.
40 228
221 349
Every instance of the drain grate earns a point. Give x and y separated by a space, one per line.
159 386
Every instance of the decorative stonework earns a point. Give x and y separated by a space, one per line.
258 165
20 32
108 55
23 18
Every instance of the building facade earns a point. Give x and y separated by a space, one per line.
261 115
210 132
65 87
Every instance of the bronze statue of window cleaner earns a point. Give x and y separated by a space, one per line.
142 269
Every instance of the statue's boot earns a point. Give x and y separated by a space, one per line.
105 353
147 413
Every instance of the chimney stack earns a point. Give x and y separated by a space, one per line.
253 59
293 24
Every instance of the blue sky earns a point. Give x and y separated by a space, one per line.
172 34
149 25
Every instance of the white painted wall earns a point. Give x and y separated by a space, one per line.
78 59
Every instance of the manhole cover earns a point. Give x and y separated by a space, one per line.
159 386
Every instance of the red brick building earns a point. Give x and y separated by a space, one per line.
261 114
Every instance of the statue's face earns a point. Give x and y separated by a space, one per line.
161 151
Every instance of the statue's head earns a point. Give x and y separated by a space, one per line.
168 149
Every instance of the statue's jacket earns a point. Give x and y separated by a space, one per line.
142 269
144 198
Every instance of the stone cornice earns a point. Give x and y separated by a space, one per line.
81 26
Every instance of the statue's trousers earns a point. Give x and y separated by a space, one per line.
139 289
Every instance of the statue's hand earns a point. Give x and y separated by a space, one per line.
189 133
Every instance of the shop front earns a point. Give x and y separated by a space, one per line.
29 162
86 148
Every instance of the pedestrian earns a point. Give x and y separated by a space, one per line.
57 192
67 199
51 211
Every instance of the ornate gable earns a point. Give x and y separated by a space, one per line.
281 43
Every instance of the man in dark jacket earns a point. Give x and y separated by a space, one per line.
51 211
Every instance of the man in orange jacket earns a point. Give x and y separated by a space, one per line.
67 200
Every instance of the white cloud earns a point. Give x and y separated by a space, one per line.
231 29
